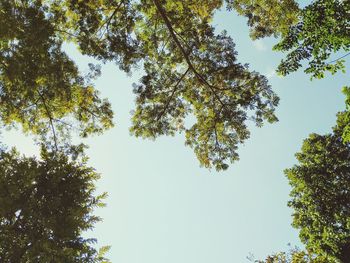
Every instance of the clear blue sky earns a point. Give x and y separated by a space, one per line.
164 208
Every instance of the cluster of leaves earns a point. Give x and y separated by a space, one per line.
343 120
320 182
45 205
189 70
315 33
322 31
40 86
267 17
321 197
294 256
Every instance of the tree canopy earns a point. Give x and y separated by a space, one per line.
317 33
267 17
320 195
41 87
294 256
189 71
321 37
45 205
192 83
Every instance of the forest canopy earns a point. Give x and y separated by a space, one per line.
189 71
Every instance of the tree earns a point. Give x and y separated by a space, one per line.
343 120
323 30
293 256
267 17
44 207
189 71
321 197
41 87
316 33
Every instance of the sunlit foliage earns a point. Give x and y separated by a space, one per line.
321 197
40 86
190 71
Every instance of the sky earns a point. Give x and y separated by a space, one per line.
163 207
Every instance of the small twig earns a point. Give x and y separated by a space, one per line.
216 137
50 119
183 51
69 124
108 21
172 94
347 54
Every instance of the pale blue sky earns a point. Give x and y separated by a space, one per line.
163 208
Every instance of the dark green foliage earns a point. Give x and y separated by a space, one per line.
41 88
321 197
322 37
44 207
319 33
189 71
343 120
294 256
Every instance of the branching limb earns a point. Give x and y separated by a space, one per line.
183 51
172 94
50 119
108 21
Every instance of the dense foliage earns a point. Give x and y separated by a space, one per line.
41 87
267 17
294 256
322 37
343 120
189 71
318 33
45 205
321 197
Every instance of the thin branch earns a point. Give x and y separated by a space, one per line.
183 51
35 103
172 94
347 54
164 45
184 41
69 125
108 21
4 64
217 145
50 119
89 111
65 32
